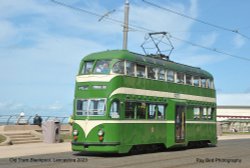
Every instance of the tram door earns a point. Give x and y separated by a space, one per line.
180 123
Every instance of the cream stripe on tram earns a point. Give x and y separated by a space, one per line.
88 125
95 78
142 92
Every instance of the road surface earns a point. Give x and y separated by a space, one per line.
228 153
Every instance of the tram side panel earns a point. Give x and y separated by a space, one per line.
201 129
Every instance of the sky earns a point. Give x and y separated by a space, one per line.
42 44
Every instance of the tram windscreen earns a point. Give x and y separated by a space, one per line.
87 67
102 67
90 107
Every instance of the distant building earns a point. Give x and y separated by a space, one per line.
234 118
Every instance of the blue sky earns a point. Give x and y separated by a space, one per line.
42 43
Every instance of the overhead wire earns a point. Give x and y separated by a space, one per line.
210 49
146 30
100 16
197 20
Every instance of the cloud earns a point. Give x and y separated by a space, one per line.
159 20
55 106
7 32
208 40
198 60
42 45
11 107
239 41
51 57
47 17
195 56
54 109
40 52
247 90
14 8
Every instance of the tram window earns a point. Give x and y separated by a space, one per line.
170 76
211 116
180 77
140 71
208 83
87 67
130 68
102 67
141 111
82 107
96 107
196 81
151 111
160 112
188 79
203 82
130 110
212 113
90 107
152 72
204 112
196 113
156 111
114 109
209 113
119 67
161 74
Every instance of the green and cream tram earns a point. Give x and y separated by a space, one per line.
123 99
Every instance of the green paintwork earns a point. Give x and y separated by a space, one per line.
129 134
130 56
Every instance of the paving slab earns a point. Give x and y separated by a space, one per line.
33 149
234 136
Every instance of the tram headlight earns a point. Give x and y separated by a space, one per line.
100 132
75 133
100 135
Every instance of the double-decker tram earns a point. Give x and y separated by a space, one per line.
123 99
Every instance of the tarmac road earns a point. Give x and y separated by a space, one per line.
228 153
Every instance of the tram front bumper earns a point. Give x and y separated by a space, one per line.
111 147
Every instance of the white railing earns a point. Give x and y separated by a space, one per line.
13 119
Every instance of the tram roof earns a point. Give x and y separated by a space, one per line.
148 60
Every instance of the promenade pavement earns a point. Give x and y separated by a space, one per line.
45 148
33 149
234 136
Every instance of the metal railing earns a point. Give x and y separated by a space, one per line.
13 119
